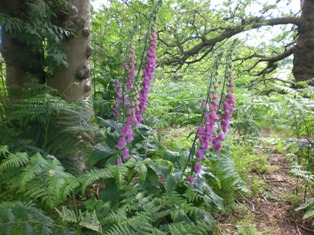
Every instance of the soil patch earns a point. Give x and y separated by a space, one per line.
271 212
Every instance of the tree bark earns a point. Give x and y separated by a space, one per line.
25 64
303 62
74 82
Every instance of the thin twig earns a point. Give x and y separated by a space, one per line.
248 201
298 229
306 229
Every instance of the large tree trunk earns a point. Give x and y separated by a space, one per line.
303 62
25 64
74 82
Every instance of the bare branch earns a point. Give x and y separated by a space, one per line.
226 33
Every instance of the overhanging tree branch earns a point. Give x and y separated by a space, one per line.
183 56
271 65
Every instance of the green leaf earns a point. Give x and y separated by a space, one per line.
172 181
142 170
100 152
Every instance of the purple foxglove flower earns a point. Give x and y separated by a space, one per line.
116 83
231 98
197 168
119 92
213 115
201 130
224 125
125 65
126 129
217 145
191 180
126 154
227 105
119 161
116 107
116 115
200 154
221 137
129 85
203 142
203 104
213 107
122 143
132 64
130 137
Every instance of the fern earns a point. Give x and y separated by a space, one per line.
13 161
308 206
305 175
227 170
23 218
85 220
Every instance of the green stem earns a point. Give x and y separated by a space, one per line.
46 133
79 229
213 73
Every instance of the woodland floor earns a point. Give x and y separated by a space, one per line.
271 212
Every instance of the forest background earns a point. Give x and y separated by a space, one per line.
169 124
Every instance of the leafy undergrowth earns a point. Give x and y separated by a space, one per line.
276 193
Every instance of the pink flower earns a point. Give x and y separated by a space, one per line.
116 83
217 144
203 104
119 161
197 168
126 154
221 136
191 180
122 143
200 154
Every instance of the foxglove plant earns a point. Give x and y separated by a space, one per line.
136 101
210 134
147 75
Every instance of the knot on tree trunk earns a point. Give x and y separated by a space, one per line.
83 72
86 32
89 51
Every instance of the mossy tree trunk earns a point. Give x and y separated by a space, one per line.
303 62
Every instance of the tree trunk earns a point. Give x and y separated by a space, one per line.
303 65
74 82
25 64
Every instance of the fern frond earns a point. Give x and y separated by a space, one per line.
297 171
14 161
35 167
92 176
309 214
23 218
85 219
307 204
309 207
227 170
